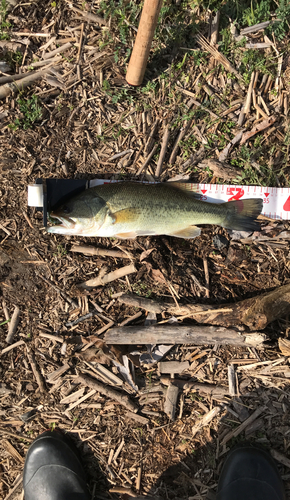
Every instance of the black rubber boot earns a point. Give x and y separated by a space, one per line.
250 473
53 471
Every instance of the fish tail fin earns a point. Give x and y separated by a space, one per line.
242 214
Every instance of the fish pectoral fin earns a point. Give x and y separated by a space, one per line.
125 215
187 232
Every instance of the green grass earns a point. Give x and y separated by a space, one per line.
4 25
31 111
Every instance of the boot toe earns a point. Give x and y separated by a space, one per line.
53 471
250 473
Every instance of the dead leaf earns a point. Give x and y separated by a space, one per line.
284 346
158 276
145 254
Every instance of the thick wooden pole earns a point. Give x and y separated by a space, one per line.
141 49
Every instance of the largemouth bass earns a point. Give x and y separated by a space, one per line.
130 209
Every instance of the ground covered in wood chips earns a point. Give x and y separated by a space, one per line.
213 108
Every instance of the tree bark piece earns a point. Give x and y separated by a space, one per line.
168 334
255 313
171 401
107 391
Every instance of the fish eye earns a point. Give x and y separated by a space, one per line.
66 209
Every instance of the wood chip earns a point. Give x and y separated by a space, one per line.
173 366
13 325
243 425
138 418
53 376
79 401
12 451
206 419
171 401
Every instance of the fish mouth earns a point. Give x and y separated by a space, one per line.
65 222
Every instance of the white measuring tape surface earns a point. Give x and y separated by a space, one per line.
276 201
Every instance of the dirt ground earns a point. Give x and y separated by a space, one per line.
70 123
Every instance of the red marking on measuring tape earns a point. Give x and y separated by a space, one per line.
286 205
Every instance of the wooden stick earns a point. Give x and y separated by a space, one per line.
107 278
57 51
215 391
257 128
107 391
147 161
181 135
215 29
8 88
258 108
147 304
255 313
249 94
12 346
88 250
14 78
141 49
47 62
5 310
89 16
192 335
206 273
280 457
36 371
245 424
150 140
164 144
13 325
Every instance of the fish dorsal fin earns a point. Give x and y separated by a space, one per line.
183 186
126 215
187 232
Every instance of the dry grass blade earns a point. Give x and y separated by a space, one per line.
217 55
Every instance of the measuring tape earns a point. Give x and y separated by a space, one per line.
276 201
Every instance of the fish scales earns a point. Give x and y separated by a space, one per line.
130 209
